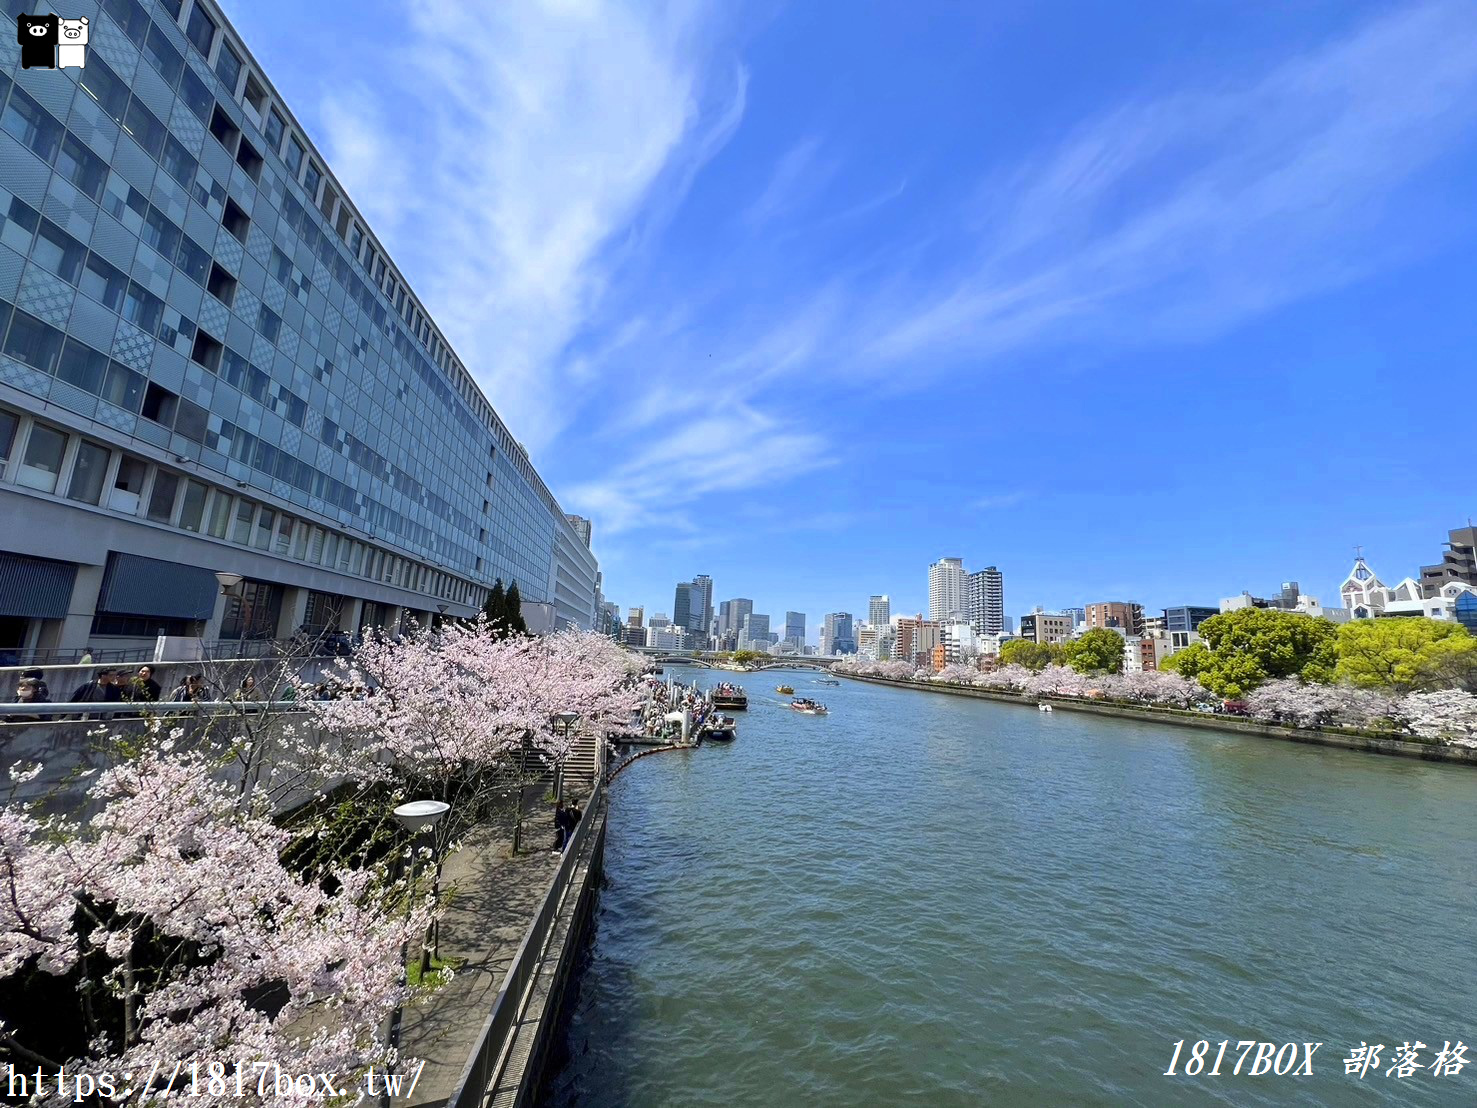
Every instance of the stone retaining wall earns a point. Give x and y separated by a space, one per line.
1372 744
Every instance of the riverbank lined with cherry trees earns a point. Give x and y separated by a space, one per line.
191 913
1439 726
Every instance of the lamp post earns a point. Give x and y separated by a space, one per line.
565 720
415 816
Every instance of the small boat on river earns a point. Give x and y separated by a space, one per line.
787 690
828 681
731 697
720 729
806 706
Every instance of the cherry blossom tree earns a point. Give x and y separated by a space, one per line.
1449 715
168 924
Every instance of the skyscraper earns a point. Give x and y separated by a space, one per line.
692 605
837 635
582 527
795 629
754 633
945 588
731 615
879 611
636 615
984 601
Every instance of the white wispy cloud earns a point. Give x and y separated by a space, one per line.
727 449
1188 214
998 501
529 141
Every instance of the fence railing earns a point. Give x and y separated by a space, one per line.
488 1059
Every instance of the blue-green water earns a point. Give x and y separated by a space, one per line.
936 900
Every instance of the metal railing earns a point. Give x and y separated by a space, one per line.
488 1059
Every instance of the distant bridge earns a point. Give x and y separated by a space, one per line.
708 660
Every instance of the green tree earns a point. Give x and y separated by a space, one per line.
513 611
495 608
1406 655
1239 650
1034 656
1098 651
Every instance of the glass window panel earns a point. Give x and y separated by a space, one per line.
83 168
129 15
161 52
128 486
33 342
196 96
161 499
310 181
32 124
241 532
142 308
264 521
294 155
192 511
192 260
103 283
59 252
172 7
191 421
220 514
228 68
300 541
43 461
18 228
104 86
82 366
178 162
88 472
123 387
201 30
8 424
144 126
276 127
284 533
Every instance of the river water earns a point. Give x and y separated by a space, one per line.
937 900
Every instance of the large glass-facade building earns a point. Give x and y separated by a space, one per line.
209 363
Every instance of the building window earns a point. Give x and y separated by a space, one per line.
161 499
253 612
228 68
128 486
294 156
201 30
165 58
88 472
248 159
33 342
104 283
123 387
221 284
82 366
131 17
79 165
32 124
264 520
43 460
236 221
59 252
104 86
8 424
311 181
241 532
269 323
224 129
144 126
256 99
275 130
196 96
192 511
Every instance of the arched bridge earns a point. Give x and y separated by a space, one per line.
778 662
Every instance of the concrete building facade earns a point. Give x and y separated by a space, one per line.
984 600
209 363
945 588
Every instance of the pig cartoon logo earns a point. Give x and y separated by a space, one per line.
72 44
38 37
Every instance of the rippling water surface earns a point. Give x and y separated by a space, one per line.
936 900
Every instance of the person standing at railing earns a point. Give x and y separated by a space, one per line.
102 689
192 688
38 676
29 691
143 687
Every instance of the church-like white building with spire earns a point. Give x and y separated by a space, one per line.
1367 597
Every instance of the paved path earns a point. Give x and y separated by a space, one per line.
493 898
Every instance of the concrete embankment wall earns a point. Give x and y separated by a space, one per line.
1371 744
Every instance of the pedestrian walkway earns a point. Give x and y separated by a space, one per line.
492 898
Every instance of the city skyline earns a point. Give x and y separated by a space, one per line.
865 237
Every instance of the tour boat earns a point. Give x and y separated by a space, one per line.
1044 708
720 729
786 689
731 697
828 681
806 706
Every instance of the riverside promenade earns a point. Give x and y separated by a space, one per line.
491 898
1347 740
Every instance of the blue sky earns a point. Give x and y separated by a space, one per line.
1134 301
